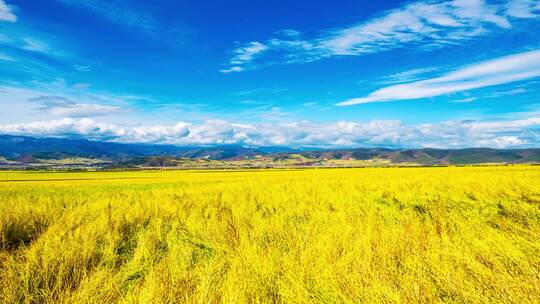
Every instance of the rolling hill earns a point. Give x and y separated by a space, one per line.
24 150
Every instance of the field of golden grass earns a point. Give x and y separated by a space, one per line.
380 235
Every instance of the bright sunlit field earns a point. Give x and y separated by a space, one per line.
381 235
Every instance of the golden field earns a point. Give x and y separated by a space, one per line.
373 235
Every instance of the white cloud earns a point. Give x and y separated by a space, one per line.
465 100
31 44
232 70
289 33
505 126
86 110
449 134
91 129
64 107
61 100
438 23
511 92
503 142
422 24
6 12
499 71
28 39
523 8
245 54
5 57
82 68
407 76
248 52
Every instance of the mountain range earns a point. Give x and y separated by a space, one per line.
31 151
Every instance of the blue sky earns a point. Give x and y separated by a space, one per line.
444 74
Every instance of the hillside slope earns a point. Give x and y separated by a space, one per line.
57 151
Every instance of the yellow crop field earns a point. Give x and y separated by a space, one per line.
373 235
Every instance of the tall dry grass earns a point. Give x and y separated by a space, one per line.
411 235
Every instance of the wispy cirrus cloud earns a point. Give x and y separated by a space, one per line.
5 57
120 12
6 12
407 76
498 71
36 45
82 68
24 42
245 54
465 100
391 133
65 107
137 16
61 100
85 110
18 37
423 24
511 92
22 38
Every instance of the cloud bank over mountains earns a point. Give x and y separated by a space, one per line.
515 133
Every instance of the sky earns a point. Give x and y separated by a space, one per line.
397 74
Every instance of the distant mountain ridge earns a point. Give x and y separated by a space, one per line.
12 147
29 150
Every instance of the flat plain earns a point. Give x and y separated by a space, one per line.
372 235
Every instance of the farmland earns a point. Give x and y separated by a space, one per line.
376 235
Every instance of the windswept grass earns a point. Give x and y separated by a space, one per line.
407 235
